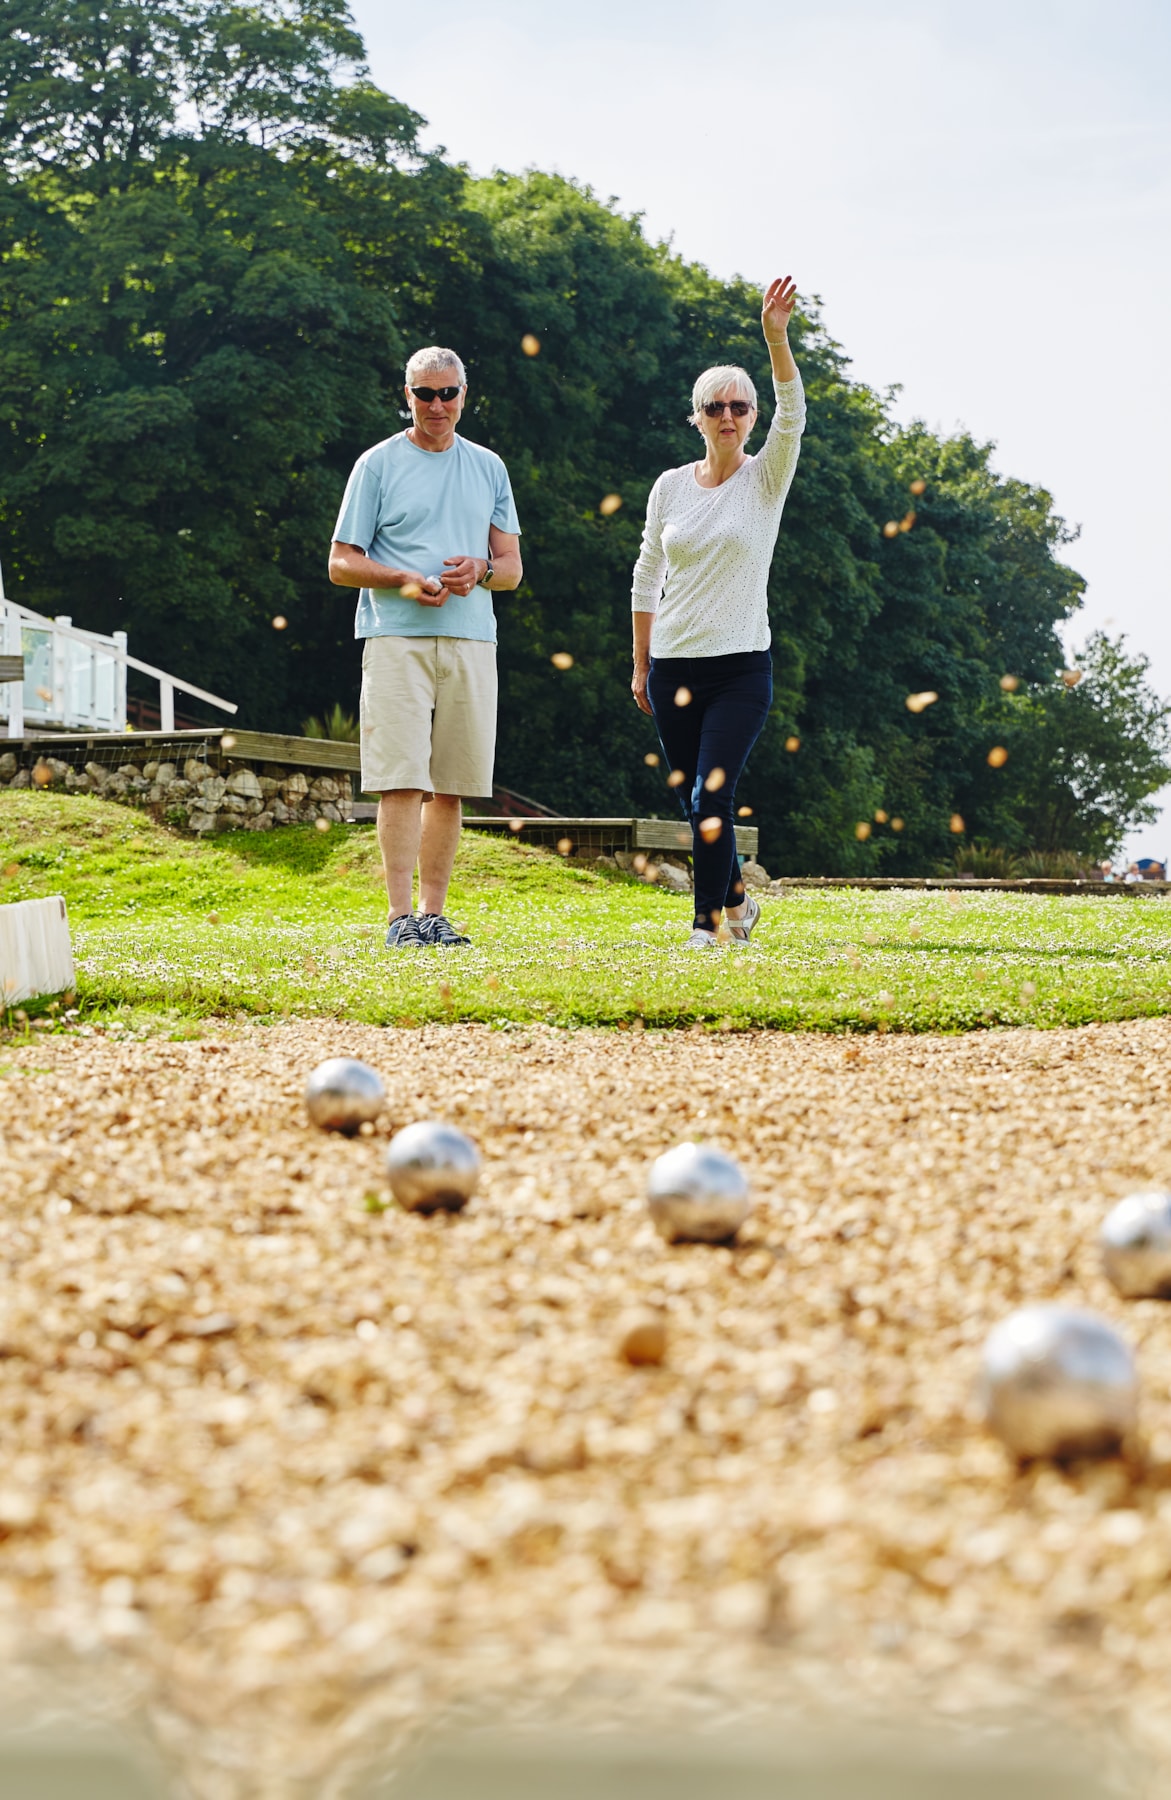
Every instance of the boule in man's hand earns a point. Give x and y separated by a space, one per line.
425 589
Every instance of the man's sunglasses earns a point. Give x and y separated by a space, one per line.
426 395
715 408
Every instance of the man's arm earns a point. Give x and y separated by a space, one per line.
462 573
506 563
349 566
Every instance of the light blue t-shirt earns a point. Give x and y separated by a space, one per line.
411 508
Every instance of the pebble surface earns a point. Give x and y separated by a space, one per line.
295 1470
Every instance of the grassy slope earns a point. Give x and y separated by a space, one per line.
296 930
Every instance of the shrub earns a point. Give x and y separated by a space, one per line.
990 862
1056 865
341 726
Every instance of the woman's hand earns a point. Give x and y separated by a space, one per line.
779 301
638 683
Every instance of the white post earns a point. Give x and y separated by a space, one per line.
36 955
118 723
10 638
16 708
59 665
166 706
10 641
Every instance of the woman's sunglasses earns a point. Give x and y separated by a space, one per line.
714 409
426 395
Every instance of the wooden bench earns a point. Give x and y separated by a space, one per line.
602 837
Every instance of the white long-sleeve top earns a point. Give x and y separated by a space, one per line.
706 552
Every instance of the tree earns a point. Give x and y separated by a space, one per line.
196 331
968 590
1085 759
100 90
220 240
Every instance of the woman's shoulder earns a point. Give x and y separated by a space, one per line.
672 479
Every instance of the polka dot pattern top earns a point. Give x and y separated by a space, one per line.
706 552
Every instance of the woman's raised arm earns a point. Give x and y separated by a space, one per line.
776 461
779 301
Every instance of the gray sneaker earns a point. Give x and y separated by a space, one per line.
701 940
740 930
438 933
405 933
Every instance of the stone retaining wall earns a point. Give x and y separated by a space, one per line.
190 792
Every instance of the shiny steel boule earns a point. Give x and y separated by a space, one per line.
1135 1242
344 1094
696 1193
432 1167
1058 1382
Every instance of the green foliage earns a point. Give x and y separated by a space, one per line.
988 862
337 724
219 240
196 331
1085 759
1054 865
992 862
270 924
98 88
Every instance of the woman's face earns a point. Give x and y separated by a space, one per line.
726 431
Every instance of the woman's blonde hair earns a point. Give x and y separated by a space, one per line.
710 383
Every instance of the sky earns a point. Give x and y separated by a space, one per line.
980 196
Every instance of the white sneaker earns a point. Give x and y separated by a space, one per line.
740 930
702 940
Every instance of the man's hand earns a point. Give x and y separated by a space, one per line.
461 573
638 683
779 301
423 588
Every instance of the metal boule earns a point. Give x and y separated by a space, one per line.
432 1167
1058 1382
344 1094
1135 1242
697 1193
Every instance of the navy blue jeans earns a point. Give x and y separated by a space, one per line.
715 729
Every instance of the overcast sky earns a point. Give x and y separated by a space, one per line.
980 195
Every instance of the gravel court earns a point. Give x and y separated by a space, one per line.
299 1473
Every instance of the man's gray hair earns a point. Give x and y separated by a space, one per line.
713 382
433 361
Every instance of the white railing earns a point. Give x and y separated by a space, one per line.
76 680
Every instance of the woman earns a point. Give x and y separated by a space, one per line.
701 635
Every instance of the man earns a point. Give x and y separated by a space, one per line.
427 529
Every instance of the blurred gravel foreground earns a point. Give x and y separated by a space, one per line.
849 1768
291 1476
49 1751
64 1764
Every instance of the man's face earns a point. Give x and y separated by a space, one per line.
435 420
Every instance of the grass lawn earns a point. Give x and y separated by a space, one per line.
168 932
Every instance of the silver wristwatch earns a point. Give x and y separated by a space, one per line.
487 575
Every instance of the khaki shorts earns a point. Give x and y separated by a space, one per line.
428 715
